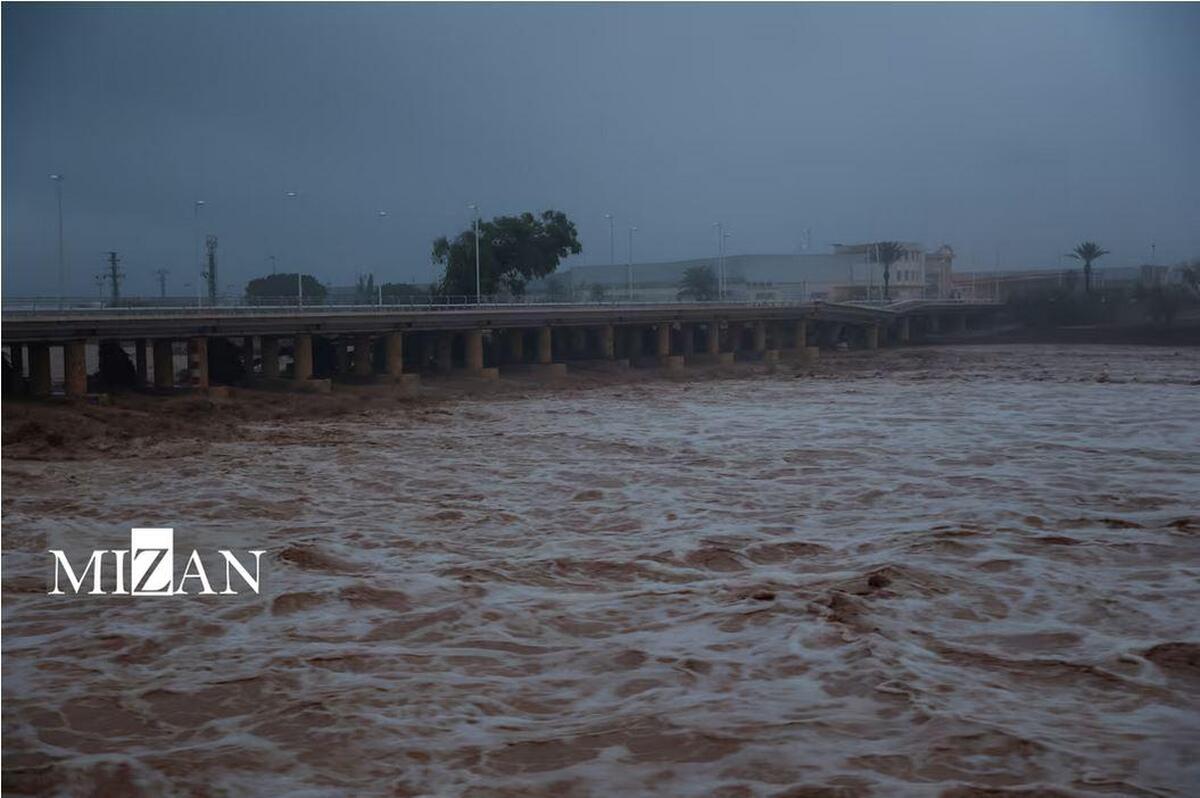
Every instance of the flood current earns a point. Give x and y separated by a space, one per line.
940 572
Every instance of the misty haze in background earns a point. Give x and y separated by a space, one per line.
1011 133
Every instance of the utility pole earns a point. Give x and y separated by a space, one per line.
210 247
114 276
629 265
161 274
612 251
62 259
475 223
272 259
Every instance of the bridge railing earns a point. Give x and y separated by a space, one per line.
340 304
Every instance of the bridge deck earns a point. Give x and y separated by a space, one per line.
26 326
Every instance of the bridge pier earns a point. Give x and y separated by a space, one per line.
607 349
394 354
545 346
75 368
302 357
960 323
903 330
164 363
198 362
474 352
759 339
871 333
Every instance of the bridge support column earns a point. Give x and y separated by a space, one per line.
394 344
164 363
935 323
198 361
872 336
960 323
362 356
141 362
801 334
688 332
268 347
662 341
607 349
545 351
302 353
474 351
75 368
39 369
516 345
712 340
445 353
903 330
760 337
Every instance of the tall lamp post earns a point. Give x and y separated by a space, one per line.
291 195
629 265
196 206
62 268
475 224
724 237
612 252
720 259
382 216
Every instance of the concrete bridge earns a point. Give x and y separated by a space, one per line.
304 348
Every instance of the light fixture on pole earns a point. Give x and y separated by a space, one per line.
720 259
291 195
381 215
629 265
62 268
724 237
475 223
612 252
196 206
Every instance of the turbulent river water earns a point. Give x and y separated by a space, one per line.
965 571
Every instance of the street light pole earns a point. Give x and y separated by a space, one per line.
62 268
720 259
475 223
629 265
196 206
291 195
612 252
724 237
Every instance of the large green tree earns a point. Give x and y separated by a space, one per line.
512 251
699 283
1087 252
262 290
887 253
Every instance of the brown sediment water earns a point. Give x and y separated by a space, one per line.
964 571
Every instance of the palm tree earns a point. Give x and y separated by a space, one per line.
887 253
1087 252
699 283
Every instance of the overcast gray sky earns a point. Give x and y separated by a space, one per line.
1006 131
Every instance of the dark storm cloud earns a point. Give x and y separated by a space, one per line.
1007 131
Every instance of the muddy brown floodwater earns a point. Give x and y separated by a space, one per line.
966 571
